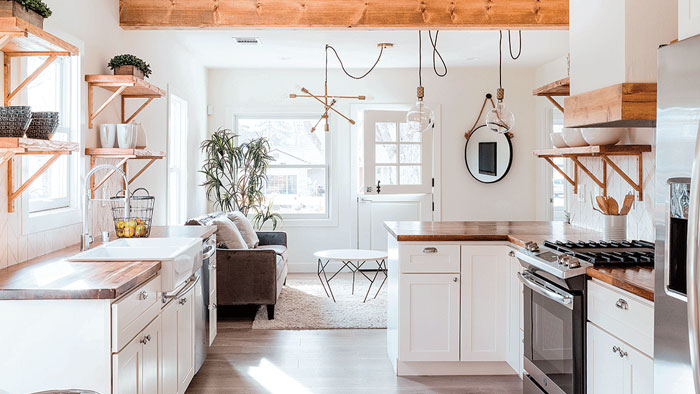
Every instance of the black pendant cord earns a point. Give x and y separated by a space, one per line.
436 52
520 46
342 66
500 59
420 58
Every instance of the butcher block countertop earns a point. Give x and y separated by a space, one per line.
515 232
636 280
53 277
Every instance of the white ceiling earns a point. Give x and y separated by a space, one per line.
358 49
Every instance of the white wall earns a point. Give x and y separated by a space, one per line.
94 25
459 95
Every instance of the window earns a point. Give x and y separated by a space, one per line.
297 182
558 198
55 89
177 160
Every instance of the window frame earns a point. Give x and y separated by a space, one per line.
50 216
180 168
554 213
299 218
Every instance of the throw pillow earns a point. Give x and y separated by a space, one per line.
227 234
246 228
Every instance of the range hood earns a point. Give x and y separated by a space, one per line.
621 105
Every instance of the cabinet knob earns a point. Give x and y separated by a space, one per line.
146 339
622 304
455 279
143 295
183 301
619 351
511 254
430 250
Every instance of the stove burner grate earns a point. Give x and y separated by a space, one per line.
602 253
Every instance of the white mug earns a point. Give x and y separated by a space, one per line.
125 136
108 133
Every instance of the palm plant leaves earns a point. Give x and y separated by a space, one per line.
235 175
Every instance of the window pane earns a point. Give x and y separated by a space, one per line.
386 175
385 132
297 190
410 153
408 135
291 143
385 153
410 175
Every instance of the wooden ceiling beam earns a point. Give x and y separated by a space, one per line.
345 14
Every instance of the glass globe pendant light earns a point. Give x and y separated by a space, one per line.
420 117
500 119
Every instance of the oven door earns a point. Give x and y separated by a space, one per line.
553 336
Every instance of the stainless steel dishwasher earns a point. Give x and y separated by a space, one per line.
205 302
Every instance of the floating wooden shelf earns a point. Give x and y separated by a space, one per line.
19 38
622 105
11 147
605 152
124 86
556 88
125 155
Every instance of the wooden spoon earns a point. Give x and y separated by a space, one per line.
627 204
603 204
613 207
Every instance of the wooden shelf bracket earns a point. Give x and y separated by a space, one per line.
123 86
12 94
560 171
12 195
637 186
603 184
124 156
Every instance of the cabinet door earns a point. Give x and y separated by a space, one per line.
484 299
515 313
213 315
126 369
185 340
169 348
151 349
605 368
429 317
688 18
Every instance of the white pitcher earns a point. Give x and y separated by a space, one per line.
108 133
125 136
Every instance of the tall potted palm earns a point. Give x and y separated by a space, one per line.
236 174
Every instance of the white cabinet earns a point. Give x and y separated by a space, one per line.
688 18
484 303
213 308
514 354
429 317
135 367
177 365
614 367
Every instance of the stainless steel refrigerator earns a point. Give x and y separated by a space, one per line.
677 217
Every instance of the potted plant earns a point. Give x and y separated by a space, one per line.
32 11
236 175
130 65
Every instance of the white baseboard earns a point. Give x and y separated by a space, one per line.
454 368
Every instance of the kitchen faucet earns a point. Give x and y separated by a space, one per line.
86 237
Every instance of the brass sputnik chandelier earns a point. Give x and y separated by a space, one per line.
329 101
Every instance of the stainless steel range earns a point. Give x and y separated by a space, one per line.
555 307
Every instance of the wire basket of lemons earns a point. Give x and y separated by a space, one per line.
137 222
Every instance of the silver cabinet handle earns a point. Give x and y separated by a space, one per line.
619 351
212 306
511 254
146 339
615 349
622 304
183 301
455 279
430 250
143 295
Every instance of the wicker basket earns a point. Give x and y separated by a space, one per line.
43 125
14 120
137 222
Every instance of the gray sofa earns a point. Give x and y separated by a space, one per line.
250 276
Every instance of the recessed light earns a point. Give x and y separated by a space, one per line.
472 59
247 40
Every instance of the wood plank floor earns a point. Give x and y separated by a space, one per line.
243 360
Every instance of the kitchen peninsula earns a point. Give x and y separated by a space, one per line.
455 301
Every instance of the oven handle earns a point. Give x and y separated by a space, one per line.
692 267
528 281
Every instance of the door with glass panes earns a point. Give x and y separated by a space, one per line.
397 176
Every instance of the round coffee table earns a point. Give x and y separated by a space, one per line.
352 259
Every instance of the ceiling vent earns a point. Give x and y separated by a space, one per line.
247 40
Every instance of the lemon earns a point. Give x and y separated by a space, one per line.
120 233
131 223
129 232
140 230
120 224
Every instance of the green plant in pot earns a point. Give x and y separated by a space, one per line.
236 175
130 65
32 11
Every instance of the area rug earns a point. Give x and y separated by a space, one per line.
303 305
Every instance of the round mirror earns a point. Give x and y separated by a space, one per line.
488 155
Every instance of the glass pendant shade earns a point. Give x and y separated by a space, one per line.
420 117
500 119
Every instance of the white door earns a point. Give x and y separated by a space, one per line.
169 319
429 325
397 176
177 160
613 367
484 303
151 357
126 369
185 340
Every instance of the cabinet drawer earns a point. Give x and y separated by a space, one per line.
429 259
622 314
133 312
